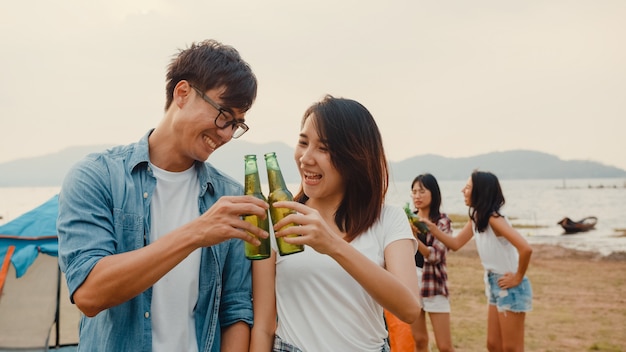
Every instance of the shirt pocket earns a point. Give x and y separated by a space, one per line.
129 230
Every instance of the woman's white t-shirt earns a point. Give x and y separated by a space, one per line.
321 307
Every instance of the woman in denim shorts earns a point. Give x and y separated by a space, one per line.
504 254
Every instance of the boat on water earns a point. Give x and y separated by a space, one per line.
570 226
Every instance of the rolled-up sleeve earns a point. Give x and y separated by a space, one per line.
236 303
84 224
437 248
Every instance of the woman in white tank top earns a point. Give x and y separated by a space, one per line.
504 254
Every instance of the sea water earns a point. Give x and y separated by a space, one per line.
539 204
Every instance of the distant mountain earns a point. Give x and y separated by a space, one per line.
515 164
49 170
229 158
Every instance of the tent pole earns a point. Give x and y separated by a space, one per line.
58 312
4 269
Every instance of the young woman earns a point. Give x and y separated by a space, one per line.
358 255
504 254
432 274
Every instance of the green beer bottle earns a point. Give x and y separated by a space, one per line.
279 191
421 227
253 188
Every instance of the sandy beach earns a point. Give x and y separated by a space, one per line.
579 301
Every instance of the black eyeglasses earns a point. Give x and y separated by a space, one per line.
224 118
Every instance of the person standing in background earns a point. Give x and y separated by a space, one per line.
358 256
150 235
505 256
430 262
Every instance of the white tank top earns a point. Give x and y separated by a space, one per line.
496 253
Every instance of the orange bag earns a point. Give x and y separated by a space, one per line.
400 337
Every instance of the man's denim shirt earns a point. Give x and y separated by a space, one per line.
104 209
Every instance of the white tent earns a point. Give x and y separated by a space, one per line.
35 312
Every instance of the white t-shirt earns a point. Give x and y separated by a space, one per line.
321 307
497 254
174 296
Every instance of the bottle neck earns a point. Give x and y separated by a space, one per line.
276 180
252 184
274 175
252 181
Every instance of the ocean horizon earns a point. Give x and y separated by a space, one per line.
535 206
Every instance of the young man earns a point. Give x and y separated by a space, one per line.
150 234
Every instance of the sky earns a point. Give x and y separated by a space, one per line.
453 78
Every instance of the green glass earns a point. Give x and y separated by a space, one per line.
278 192
415 220
253 187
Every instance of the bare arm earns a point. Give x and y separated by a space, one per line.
235 337
395 288
454 243
502 228
401 263
437 250
120 277
264 304
422 248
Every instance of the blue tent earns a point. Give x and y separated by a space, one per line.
21 242
30 234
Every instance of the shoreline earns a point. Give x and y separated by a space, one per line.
546 251
551 251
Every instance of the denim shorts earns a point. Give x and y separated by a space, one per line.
517 299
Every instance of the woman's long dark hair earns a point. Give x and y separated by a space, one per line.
486 198
429 182
356 151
